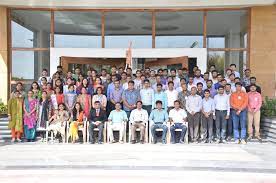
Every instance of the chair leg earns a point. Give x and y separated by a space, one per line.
52 136
46 136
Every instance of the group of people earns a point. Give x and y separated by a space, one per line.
210 107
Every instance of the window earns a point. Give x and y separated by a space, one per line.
121 28
77 29
179 29
227 29
30 29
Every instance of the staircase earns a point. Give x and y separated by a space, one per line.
268 129
5 132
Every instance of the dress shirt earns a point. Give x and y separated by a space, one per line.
213 91
222 103
177 116
176 82
254 101
197 80
138 84
164 87
147 96
125 86
208 105
182 97
190 86
117 116
131 96
237 74
162 96
171 96
193 103
159 116
239 100
101 98
138 115
116 95
246 81
258 89
110 89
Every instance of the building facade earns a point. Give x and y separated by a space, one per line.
43 34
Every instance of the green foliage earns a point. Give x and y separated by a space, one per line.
269 107
3 108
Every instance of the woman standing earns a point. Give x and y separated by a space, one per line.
57 98
36 90
85 84
99 97
44 111
30 114
85 101
77 121
97 84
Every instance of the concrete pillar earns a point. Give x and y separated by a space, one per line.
3 55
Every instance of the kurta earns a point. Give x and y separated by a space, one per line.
15 109
30 121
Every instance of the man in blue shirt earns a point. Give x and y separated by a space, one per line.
159 118
160 95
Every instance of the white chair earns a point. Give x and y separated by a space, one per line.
52 133
159 130
179 130
107 139
138 130
95 129
83 129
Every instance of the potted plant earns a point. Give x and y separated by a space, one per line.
268 109
268 120
3 110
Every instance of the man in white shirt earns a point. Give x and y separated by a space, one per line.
177 117
176 80
147 95
138 119
138 80
222 107
172 95
190 83
193 106
208 109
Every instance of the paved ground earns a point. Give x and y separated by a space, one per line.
36 162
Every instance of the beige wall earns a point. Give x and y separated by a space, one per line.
3 54
263 48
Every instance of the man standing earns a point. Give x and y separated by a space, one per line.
233 67
160 95
147 95
177 117
15 113
254 105
138 119
198 78
172 95
208 109
211 88
222 113
116 95
158 119
117 120
193 106
130 97
183 96
239 102
97 120
138 81
253 82
246 78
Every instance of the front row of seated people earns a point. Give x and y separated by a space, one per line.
117 120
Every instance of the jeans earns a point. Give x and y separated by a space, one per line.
147 108
178 126
221 124
239 120
157 126
91 131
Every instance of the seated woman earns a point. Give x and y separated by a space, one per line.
77 121
99 97
58 121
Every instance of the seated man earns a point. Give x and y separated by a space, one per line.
177 117
97 120
138 118
117 119
159 118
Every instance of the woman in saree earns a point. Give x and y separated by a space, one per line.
85 101
36 90
100 97
77 121
30 115
15 113
58 121
44 112
97 84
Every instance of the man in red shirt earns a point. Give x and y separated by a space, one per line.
254 106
